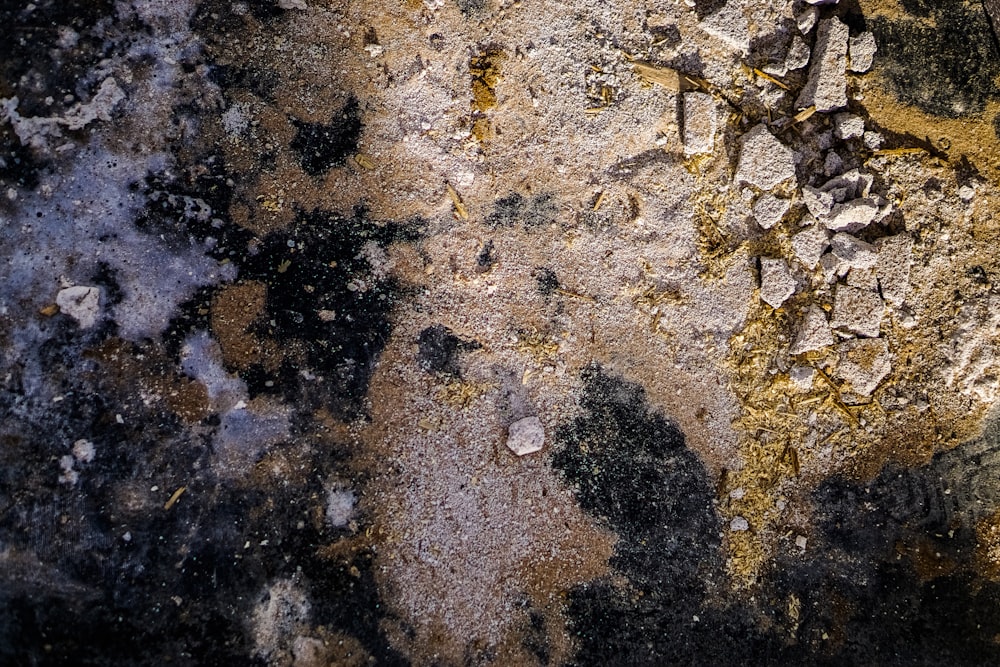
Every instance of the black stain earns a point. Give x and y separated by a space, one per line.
547 281
322 147
438 350
943 60
515 208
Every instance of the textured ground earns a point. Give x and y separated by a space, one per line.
279 276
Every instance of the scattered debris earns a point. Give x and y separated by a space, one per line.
814 332
818 202
768 210
851 216
526 436
802 377
731 25
893 267
764 162
808 245
827 84
863 363
174 497
776 282
84 451
856 253
858 311
847 125
700 123
739 524
863 279
798 54
862 52
807 18
801 541
82 303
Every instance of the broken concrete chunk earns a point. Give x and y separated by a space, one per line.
292 4
863 279
739 524
765 162
847 125
700 123
808 245
802 377
853 183
776 282
82 303
893 267
814 332
806 19
857 311
862 52
526 436
873 140
833 267
826 87
856 253
798 54
851 216
864 363
731 25
833 164
768 210
818 202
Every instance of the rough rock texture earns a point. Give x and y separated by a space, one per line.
826 88
764 161
858 311
700 123
813 332
776 282
863 363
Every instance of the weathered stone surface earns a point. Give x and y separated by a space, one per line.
893 267
862 52
856 253
857 311
827 84
852 215
526 436
814 332
82 303
768 210
764 162
808 245
863 363
700 123
776 282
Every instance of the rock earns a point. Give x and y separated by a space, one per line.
863 363
738 493
731 25
764 162
818 202
806 19
863 279
739 524
833 164
851 216
966 193
292 4
856 253
862 52
798 54
814 332
857 311
892 267
872 140
801 541
700 123
769 210
802 377
526 436
826 87
853 185
82 303
808 245
833 267
776 282
84 451
848 126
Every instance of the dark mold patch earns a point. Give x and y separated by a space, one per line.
515 208
547 281
470 7
944 60
322 147
438 350
629 465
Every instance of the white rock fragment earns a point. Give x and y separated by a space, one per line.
818 202
700 123
893 267
769 210
833 267
857 311
764 162
292 4
826 87
798 54
68 475
848 125
801 541
863 279
856 253
872 140
863 363
739 525
822 2
776 282
526 436
814 332
737 493
808 245
850 185
340 502
802 377
806 19
966 193
851 216
731 25
82 303
84 451
862 52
